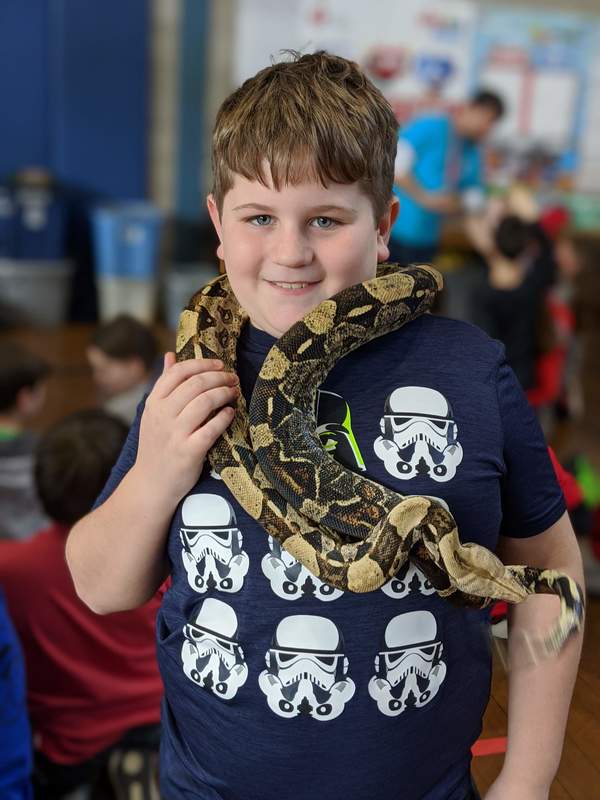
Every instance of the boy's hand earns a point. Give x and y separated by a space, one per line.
186 412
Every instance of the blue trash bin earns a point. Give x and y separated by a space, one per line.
126 239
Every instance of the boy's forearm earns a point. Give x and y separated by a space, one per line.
539 695
116 554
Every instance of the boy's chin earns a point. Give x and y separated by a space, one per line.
278 325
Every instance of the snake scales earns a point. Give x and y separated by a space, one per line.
346 529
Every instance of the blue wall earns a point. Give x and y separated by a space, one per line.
189 198
74 83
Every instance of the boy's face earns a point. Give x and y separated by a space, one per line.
113 376
286 251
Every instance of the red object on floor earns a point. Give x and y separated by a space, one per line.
549 371
499 611
489 747
568 484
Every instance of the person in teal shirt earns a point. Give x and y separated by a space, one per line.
438 172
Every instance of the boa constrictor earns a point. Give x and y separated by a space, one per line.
346 529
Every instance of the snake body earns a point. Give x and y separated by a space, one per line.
347 530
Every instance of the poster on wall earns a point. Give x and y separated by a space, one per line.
418 52
588 174
538 63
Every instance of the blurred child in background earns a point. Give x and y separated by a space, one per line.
15 738
510 305
93 687
122 354
22 391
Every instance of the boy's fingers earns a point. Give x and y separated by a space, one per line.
169 360
208 434
199 410
196 385
174 374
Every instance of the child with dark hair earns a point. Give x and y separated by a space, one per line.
122 354
510 304
93 687
23 378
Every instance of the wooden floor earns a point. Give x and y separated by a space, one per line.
70 389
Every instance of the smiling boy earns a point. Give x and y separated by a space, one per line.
277 685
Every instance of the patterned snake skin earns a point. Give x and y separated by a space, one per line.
347 530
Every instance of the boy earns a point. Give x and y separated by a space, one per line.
23 378
122 354
277 685
93 688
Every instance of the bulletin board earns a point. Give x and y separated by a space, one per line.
426 54
417 51
539 64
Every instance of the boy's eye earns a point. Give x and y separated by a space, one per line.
323 222
261 220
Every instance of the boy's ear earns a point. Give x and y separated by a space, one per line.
384 227
213 213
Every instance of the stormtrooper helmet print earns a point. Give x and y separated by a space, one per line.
211 655
409 578
419 435
408 669
290 580
212 544
307 670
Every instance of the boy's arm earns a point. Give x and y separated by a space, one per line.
539 694
116 553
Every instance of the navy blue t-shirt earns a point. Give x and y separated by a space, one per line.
279 687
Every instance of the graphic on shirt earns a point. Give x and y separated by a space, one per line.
409 669
410 578
420 436
307 670
334 428
290 580
212 544
211 654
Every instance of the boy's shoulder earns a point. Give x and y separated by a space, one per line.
427 123
439 327
441 342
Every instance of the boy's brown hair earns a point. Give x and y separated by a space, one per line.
73 462
125 337
317 115
19 368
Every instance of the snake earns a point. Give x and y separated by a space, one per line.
346 529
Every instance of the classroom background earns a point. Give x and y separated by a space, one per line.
107 111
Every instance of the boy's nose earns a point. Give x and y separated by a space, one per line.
292 249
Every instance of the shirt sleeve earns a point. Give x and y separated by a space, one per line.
532 500
472 172
415 135
126 458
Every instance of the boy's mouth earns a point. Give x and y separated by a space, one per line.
293 286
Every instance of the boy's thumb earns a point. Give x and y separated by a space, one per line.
169 360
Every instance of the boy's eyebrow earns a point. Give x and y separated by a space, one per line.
314 209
